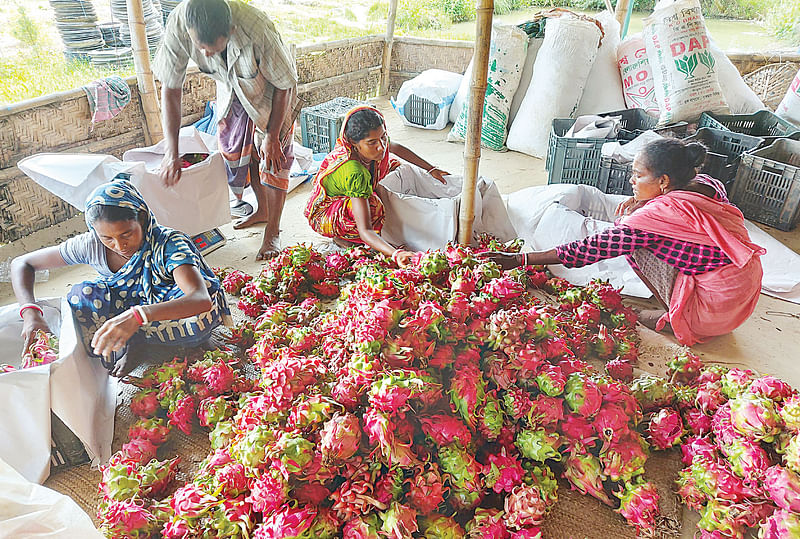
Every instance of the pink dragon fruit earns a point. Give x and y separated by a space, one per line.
425 489
710 397
503 472
527 533
582 395
578 429
340 438
539 444
181 414
771 388
311 411
584 473
231 479
688 490
517 402
356 495
212 410
524 507
747 458
462 467
545 411
716 480
791 453
755 417
268 493
292 453
620 369
652 392
639 506
783 486
736 381
666 428
287 522
781 525
126 519
189 501
362 527
624 459
154 429
684 368
381 431
551 380
467 392
445 429
720 520
790 413
698 446
722 426
137 450
698 422
145 403
235 281
441 527
156 476
611 423
488 523
219 377
399 521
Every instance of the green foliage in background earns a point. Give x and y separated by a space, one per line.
783 20
25 29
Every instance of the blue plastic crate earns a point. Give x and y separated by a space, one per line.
320 124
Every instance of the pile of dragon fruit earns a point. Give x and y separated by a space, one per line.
441 400
43 350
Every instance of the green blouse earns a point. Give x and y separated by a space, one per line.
351 179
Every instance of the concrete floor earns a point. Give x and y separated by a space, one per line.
767 342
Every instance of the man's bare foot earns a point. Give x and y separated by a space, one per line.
125 365
270 247
257 217
650 317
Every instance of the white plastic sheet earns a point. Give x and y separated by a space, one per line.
29 511
78 390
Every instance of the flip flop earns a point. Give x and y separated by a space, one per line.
241 209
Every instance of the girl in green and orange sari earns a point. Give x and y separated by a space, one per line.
343 203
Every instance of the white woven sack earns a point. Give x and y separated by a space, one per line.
506 58
462 93
603 91
638 87
740 97
789 107
560 72
684 68
534 44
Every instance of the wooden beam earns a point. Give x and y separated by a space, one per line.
477 96
148 94
387 47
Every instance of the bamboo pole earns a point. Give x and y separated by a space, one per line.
472 142
387 47
144 75
621 12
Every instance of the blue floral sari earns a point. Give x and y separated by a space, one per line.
146 279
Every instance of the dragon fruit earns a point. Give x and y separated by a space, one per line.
781 525
652 392
790 413
212 410
698 422
584 473
399 521
698 446
716 480
309 412
190 501
771 388
524 507
755 417
688 490
154 429
517 403
491 417
126 519
462 467
286 522
251 449
625 458
488 523
355 496
445 429
639 506
527 533
268 492
381 431
219 377
145 403
137 450
620 369
582 395
156 476
294 452
722 425
747 458
783 486
720 519
611 423
578 429
42 351
441 527
736 381
235 281
467 392
666 428
340 438
539 444
425 489
684 368
503 472
551 380
362 527
181 414
791 453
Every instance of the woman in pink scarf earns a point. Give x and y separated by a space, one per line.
683 238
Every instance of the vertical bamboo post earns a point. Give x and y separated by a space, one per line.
621 12
144 75
386 66
477 95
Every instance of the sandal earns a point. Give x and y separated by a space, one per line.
241 209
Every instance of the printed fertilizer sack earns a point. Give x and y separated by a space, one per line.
638 87
603 92
789 107
506 59
684 68
559 75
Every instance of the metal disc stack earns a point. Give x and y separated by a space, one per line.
76 21
152 22
166 8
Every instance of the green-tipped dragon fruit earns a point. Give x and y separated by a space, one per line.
684 368
524 507
425 489
399 521
639 506
251 450
539 444
736 381
491 417
340 438
652 392
311 411
624 459
502 472
363 527
505 328
441 527
585 474
666 428
790 413
293 452
517 402
487 523
747 458
462 467
543 478
781 525
551 380
783 486
582 395
467 392
755 417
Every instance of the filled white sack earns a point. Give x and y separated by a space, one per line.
559 74
741 99
462 93
534 44
684 67
789 107
603 91
639 88
435 85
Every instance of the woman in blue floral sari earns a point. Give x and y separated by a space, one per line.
154 286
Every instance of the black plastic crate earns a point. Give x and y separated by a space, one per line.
320 124
420 111
725 149
67 450
616 177
763 124
577 160
767 186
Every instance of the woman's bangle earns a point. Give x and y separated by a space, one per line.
143 313
30 306
524 261
431 169
394 255
137 315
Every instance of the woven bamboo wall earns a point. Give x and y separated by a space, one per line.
749 62
411 56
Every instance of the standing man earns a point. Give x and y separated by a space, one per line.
237 46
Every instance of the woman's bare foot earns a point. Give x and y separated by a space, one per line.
128 362
270 247
257 217
650 317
